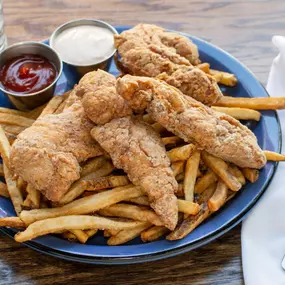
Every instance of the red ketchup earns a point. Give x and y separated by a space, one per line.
27 74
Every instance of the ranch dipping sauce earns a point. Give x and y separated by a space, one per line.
84 45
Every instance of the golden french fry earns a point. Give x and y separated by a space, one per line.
250 174
92 165
3 190
189 224
206 194
177 167
80 235
73 222
143 200
205 66
153 233
35 196
205 181
148 119
266 103
219 197
221 169
106 182
1 170
4 147
191 169
35 113
126 235
13 222
76 188
113 232
91 233
14 112
174 140
225 78
158 128
181 153
16 120
84 205
274 156
239 113
52 105
27 204
69 236
138 213
13 129
187 207
235 171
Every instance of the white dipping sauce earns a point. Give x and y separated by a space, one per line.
85 45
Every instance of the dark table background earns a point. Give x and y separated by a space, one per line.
243 28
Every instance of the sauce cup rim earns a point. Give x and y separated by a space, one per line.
80 23
44 89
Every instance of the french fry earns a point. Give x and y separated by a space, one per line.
187 207
189 224
1 170
3 190
143 200
205 181
113 232
13 222
52 105
69 236
138 213
92 165
174 140
205 66
267 103
239 113
84 205
27 204
250 174
80 235
73 222
235 171
76 188
221 169
181 153
191 169
13 129
21 184
127 235
158 128
14 112
177 167
148 119
219 197
206 194
16 120
4 147
34 114
153 233
35 196
274 156
107 233
91 233
106 182
225 78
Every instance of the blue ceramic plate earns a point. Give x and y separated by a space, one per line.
97 251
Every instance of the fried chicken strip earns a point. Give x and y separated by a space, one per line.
137 149
147 50
47 154
217 133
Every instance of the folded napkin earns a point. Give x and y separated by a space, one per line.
263 232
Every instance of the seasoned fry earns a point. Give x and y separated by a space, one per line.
239 113
153 233
52 105
13 222
80 235
221 169
12 129
76 188
187 207
106 182
235 171
92 165
148 119
34 114
274 156
219 197
189 224
127 235
171 140
267 103
250 174
16 120
191 169
138 213
3 190
34 195
84 205
225 78
205 181
4 147
181 153
205 66
177 167
158 127
72 222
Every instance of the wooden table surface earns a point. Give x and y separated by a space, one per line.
243 28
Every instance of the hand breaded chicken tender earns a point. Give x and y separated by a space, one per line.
217 133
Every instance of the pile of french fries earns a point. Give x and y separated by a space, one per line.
104 198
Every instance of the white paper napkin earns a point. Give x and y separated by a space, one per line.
263 232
